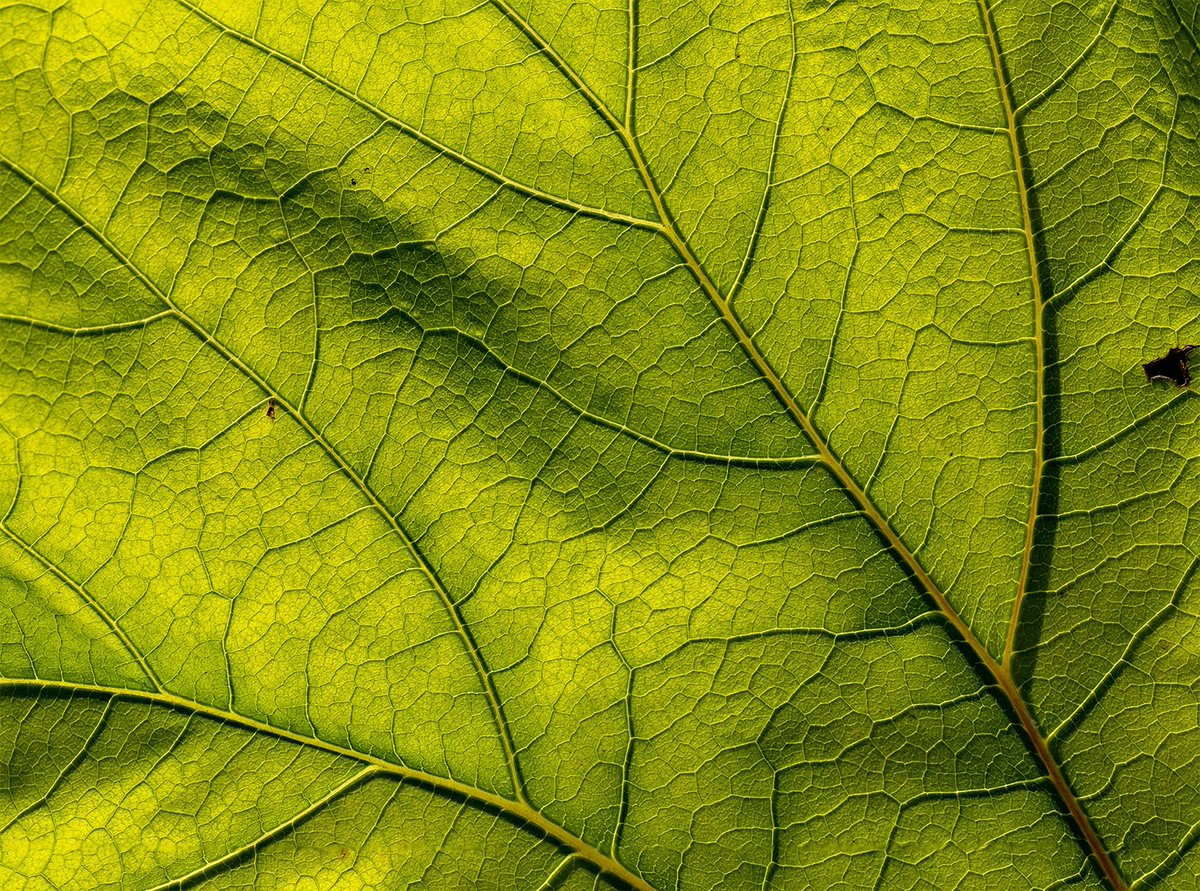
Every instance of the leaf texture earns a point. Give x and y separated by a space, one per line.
667 444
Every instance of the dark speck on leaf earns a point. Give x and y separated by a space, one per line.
354 182
1172 367
271 409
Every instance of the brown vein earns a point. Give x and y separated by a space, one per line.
1004 675
998 670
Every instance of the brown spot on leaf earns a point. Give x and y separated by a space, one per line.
271 409
1173 367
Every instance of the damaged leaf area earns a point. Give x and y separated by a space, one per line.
1173 368
671 444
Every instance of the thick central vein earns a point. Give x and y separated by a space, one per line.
999 670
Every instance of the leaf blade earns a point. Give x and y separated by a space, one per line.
547 389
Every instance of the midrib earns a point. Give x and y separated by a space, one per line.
1000 670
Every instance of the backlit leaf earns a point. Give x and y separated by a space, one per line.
677 444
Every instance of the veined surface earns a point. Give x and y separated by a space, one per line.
709 445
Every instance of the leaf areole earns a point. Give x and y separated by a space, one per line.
1173 367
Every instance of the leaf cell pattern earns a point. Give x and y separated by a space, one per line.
663 444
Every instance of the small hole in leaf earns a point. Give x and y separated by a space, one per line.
271 409
1172 367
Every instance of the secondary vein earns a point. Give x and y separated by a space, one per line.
998 670
519 811
1004 675
418 557
418 135
108 619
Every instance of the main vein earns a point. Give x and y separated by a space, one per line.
1000 671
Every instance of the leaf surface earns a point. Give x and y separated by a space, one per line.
568 445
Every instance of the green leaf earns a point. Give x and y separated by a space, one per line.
674 444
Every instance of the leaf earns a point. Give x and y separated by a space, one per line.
666 445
